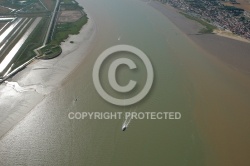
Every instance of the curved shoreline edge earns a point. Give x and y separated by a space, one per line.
230 35
42 77
229 51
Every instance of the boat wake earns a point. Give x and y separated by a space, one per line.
126 122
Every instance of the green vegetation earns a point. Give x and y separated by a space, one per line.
63 30
18 4
50 51
208 27
68 2
36 38
50 4
34 41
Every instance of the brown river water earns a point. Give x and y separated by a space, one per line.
214 102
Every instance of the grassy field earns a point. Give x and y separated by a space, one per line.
36 38
50 51
208 27
63 30
34 41
50 4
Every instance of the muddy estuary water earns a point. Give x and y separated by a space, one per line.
212 98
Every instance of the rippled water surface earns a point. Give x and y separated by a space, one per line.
186 81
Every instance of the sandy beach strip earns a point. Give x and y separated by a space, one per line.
41 78
234 53
230 35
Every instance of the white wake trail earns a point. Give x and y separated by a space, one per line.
18 88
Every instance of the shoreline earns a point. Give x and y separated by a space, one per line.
188 79
24 91
234 53
46 75
230 35
232 57
217 31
